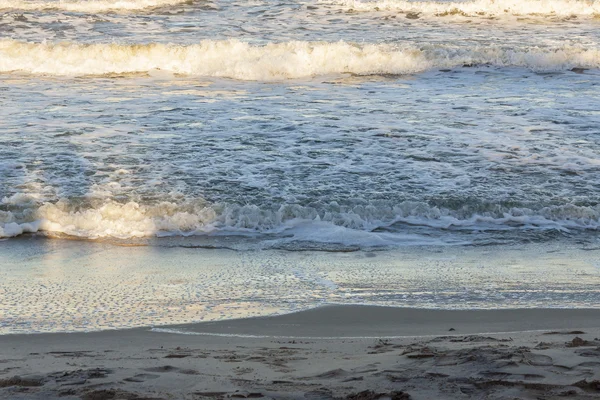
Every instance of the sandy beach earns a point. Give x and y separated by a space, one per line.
303 199
333 352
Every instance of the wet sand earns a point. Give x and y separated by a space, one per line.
345 352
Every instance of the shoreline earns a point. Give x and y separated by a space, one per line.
332 318
382 321
53 286
454 355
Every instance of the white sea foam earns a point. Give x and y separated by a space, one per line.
110 219
563 8
86 6
275 61
289 223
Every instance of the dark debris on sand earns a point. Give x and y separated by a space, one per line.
22 382
444 367
114 394
371 395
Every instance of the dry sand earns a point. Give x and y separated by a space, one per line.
345 352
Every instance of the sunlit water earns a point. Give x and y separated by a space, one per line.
52 285
302 124
319 125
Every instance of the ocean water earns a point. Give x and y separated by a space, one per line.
301 124
292 126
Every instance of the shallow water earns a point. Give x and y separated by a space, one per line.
55 286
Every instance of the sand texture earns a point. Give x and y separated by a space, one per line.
296 356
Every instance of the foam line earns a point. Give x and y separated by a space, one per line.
561 8
276 61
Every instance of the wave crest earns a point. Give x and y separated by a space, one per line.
87 6
560 8
275 61
375 223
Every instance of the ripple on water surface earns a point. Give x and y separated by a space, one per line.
50 286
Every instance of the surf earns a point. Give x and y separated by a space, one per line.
94 6
239 60
490 8
374 224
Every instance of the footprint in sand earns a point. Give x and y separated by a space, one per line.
177 355
170 368
141 378
319 394
540 360
164 368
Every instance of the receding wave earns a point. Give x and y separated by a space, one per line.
276 61
86 6
377 224
562 8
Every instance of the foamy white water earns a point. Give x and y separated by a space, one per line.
477 8
300 125
276 61
86 6
474 8
349 226
417 145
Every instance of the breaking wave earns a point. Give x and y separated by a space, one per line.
86 6
561 8
276 61
370 224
